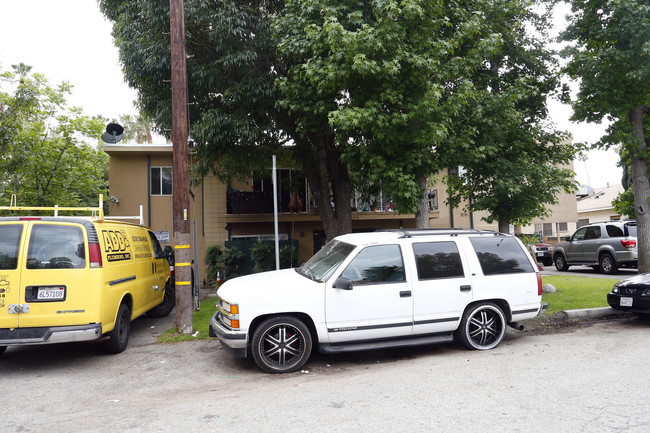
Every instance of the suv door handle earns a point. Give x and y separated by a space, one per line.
465 288
405 294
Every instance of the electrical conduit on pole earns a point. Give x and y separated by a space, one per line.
275 215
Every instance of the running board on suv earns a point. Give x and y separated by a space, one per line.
386 344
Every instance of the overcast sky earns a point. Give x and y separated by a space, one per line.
70 40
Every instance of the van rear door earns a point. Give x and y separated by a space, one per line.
56 282
11 235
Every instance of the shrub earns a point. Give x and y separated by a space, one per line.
225 261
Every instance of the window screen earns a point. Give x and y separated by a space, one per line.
437 260
9 244
56 247
161 180
500 255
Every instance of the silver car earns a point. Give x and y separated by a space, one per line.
607 245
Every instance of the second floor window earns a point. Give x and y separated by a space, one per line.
162 180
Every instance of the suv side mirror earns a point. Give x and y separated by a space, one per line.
342 283
568 239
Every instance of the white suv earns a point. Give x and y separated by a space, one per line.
377 290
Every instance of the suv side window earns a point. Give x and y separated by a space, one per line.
592 233
501 256
9 244
579 235
614 231
376 264
56 247
437 260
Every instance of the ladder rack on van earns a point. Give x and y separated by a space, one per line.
97 212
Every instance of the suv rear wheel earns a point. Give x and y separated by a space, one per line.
483 326
560 262
281 344
608 264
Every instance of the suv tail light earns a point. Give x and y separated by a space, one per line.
539 284
629 243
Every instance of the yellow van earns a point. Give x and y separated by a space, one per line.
65 279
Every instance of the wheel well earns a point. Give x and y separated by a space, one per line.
305 318
128 300
502 303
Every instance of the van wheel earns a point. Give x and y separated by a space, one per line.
167 305
483 327
560 262
281 344
2 349
608 264
119 336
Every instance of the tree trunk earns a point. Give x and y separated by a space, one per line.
329 182
422 214
641 188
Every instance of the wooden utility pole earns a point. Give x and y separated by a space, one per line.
184 303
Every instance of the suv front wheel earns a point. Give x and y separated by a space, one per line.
281 344
560 262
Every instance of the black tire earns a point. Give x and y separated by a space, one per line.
281 344
2 349
560 262
483 326
547 261
608 264
119 336
167 305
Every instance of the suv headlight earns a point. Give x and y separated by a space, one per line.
228 314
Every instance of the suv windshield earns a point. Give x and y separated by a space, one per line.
321 266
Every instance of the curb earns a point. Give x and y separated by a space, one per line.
593 313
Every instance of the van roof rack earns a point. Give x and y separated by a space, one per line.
96 212
408 233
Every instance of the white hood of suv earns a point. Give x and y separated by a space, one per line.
270 283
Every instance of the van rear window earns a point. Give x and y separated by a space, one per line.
9 244
56 247
501 255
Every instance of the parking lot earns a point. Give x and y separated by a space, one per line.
578 378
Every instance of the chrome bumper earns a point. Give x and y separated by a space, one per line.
50 335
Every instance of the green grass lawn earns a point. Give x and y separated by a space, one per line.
574 293
199 323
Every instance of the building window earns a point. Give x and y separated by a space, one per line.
582 222
161 180
547 229
564 227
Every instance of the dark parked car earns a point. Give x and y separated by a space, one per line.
631 294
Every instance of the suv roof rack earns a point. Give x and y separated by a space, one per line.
96 212
408 233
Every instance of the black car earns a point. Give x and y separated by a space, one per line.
631 294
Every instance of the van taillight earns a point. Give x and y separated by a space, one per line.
95 255
30 219
539 284
629 243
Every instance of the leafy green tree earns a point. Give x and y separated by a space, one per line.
610 55
46 158
515 162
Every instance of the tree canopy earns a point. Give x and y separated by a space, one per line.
610 55
46 156
392 91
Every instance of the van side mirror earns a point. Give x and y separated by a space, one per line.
342 283
169 252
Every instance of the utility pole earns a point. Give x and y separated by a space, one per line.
183 274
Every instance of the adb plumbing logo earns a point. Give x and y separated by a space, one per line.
116 245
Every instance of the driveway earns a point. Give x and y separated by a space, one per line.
567 380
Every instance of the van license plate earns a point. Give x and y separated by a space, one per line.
626 302
50 293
